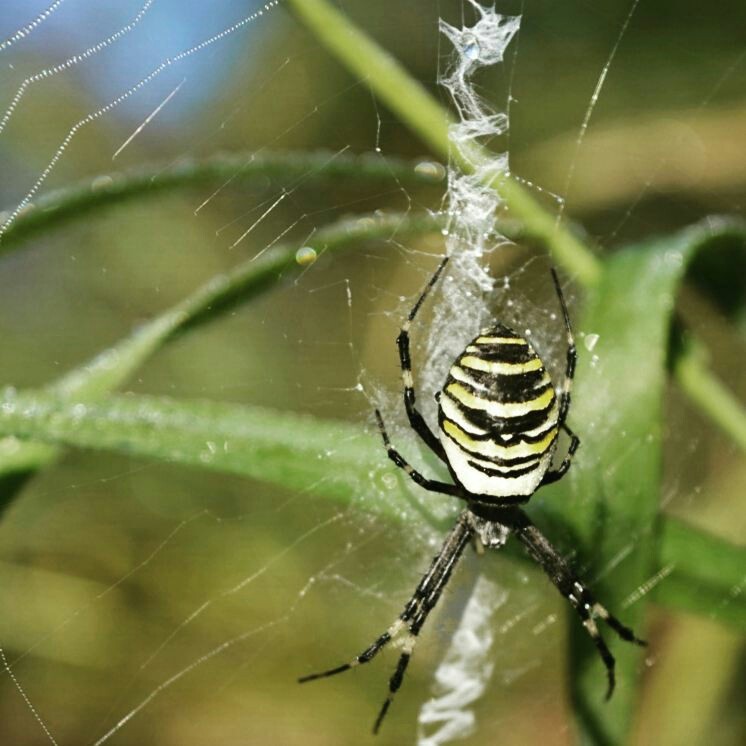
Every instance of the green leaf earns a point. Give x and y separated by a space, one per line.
112 367
333 460
237 169
612 506
704 570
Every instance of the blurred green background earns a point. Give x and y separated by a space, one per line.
103 559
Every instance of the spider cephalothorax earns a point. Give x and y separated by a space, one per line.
499 420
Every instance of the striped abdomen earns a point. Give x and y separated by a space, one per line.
498 416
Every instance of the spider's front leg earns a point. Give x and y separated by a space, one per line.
416 420
568 584
409 623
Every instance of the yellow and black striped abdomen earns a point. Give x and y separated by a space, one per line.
498 416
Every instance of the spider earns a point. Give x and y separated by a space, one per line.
499 418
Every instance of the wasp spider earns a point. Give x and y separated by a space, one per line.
499 419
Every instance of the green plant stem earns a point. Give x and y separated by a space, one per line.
705 390
301 169
621 414
380 70
414 105
388 80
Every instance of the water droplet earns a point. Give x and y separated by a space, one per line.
590 341
102 183
594 361
106 360
305 256
208 455
430 170
471 49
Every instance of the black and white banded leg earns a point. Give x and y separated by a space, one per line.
416 419
565 396
568 584
553 475
433 485
405 629
572 353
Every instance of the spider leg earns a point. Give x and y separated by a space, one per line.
416 420
552 475
423 602
414 615
572 356
433 485
394 684
582 600
367 655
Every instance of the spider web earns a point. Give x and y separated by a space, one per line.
144 604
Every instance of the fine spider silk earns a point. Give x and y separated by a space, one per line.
499 419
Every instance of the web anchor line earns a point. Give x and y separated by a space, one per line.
91 117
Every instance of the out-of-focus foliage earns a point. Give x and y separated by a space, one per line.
104 557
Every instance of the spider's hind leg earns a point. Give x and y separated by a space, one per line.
588 609
568 584
415 613
367 655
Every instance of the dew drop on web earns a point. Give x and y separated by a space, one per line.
305 256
